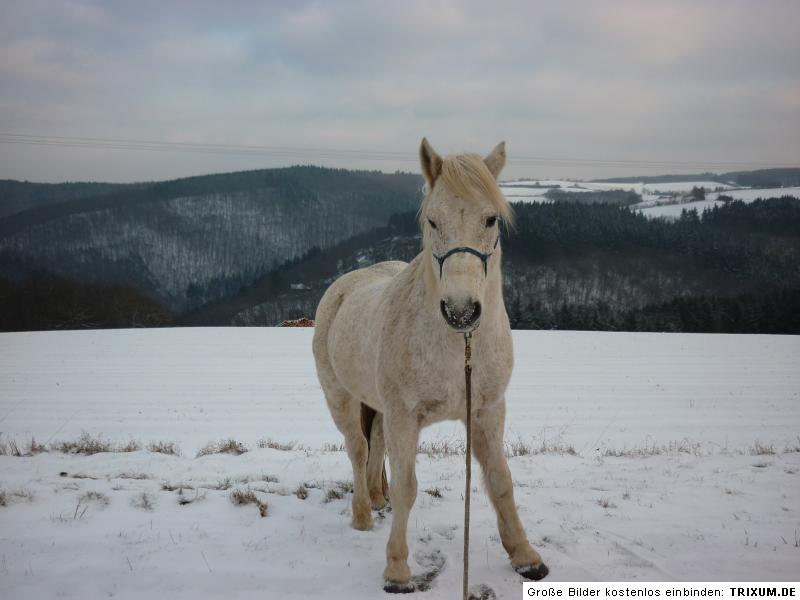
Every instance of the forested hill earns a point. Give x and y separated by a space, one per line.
191 241
19 196
736 268
258 247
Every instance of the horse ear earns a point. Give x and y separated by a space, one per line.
430 161
496 159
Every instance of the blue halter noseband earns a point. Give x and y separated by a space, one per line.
484 257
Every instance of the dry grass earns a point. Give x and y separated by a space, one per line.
266 478
520 448
606 503
681 447
170 448
759 449
130 446
229 446
133 475
12 448
441 448
172 487
434 492
333 494
793 447
184 499
222 485
77 475
144 501
93 497
258 478
301 492
273 445
88 445
338 491
20 495
241 497
328 447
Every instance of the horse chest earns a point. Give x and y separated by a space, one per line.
443 396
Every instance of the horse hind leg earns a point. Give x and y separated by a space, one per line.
377 483
346 414
402 435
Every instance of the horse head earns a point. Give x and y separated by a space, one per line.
460 218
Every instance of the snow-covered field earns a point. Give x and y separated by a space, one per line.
663 457
748 195
673 211
533 190
655 196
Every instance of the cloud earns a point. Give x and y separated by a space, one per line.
710 81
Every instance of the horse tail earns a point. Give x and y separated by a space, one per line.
372 427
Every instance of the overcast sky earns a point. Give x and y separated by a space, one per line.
661 86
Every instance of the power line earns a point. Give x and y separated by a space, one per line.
346 154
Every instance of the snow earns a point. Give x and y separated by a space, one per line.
685 186
673 211
535 190
748 195
517 194
526 190
664 485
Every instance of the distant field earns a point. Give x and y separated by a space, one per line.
652 193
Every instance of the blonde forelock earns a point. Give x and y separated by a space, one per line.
468 177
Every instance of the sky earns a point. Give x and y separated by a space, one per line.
582 89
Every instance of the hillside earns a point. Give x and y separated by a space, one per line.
191 241
20 196
258 247
597 267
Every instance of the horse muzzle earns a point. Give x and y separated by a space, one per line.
461 318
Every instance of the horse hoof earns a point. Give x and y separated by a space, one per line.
362 525
392 587
533 572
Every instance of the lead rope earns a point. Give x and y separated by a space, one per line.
467 489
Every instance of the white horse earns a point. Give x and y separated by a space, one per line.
390 356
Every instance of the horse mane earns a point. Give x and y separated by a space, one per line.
467 176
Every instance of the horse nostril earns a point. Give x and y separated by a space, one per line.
461 319
476 312
446 311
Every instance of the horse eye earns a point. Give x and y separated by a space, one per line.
491 221
432 224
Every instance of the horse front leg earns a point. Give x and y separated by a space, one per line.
487 447
401 435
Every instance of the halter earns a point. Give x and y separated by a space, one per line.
466 249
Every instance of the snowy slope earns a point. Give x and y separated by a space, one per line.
668 479
655 196
673 211
748 195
